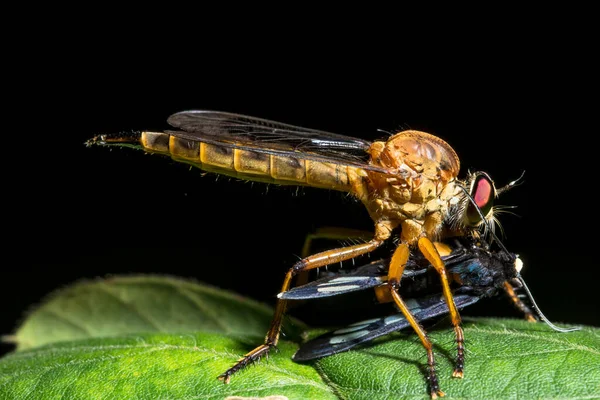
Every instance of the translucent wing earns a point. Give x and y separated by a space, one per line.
270 137
361 332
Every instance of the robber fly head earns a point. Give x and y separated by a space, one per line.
474 206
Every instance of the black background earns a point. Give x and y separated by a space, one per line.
506 105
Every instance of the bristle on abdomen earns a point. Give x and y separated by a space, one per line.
248 164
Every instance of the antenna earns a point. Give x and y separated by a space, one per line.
539 312
511 185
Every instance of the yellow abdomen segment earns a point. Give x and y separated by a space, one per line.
247 164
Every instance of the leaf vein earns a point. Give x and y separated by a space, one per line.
539 337
330 383
206 310
559 367
161 346
516 374
372 390
131 306
72 384
37 383
12 376
295 376
76 324
528 354
246 391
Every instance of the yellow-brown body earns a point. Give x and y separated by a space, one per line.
250 165
417 198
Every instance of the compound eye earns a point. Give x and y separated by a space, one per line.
483 193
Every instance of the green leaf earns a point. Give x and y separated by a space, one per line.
159 366
123 305
505 359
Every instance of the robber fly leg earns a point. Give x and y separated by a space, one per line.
508 288
306 264
328 233
431 254
397 264
333 233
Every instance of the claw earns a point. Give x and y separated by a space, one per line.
458 374
434 395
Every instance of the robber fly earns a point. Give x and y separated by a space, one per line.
407 183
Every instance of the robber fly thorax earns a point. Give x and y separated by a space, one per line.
419 195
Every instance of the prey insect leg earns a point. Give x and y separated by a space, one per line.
306 264
397 264
508 288
431 254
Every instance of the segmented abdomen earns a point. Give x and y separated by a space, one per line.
247 164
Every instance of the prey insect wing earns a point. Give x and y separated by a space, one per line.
367 276
362 332
361 278
476 272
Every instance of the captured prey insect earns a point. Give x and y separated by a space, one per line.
475 272
407 183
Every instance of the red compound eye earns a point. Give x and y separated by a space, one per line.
483 193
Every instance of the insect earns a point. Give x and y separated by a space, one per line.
475 271
408 183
